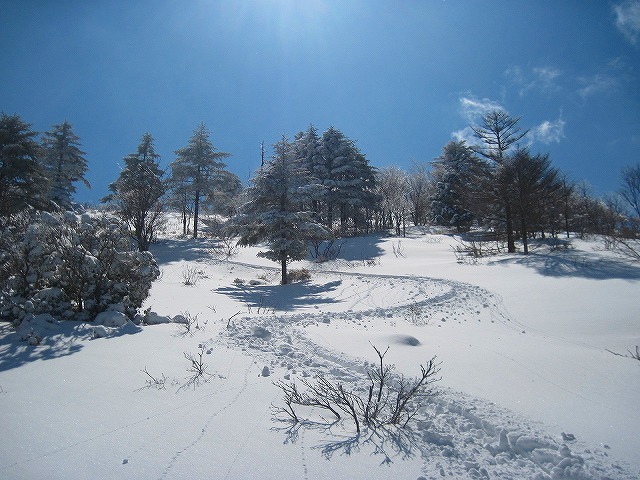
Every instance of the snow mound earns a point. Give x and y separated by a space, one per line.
111 318
409 340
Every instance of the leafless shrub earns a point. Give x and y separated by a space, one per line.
471 251
391 399
299 275
159 383
226 247
635 356
187 324
261 308
197 369
325 251
190 275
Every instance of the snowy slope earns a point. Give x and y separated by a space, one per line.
528 387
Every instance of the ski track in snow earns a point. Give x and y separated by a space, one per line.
460 437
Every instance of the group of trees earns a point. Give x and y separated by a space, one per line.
321 185
143 190
38 174
499 185
310 187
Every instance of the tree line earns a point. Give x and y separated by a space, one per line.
320 185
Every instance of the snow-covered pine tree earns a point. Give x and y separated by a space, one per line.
454 177
272 213
63 162
200 166
22 180
347 178
138 193
306 147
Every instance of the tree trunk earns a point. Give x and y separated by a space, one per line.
511 242
524 233
283 266
196 209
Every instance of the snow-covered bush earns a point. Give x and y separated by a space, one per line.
70 266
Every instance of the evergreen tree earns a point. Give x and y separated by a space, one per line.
138 193
22 180
347 178
536 188
498 133
63 162
454 184
272 213
199 165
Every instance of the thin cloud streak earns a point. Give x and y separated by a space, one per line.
628 20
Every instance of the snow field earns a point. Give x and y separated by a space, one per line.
528 389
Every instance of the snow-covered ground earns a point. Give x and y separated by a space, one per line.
528 390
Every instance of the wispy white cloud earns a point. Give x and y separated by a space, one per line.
472 108
549 131
466 135
628 19
598 83
542 79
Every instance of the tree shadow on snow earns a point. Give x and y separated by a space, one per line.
388 443
575 264
62 339
173 250
15 352
281 297
354 249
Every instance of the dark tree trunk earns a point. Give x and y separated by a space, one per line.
196 209
283 267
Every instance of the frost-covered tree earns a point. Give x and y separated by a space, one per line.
22 180
199 168
392 186
63 163
419 192
347 179
70 266
272 213
306 146
138 193
630 188
455 185
498 133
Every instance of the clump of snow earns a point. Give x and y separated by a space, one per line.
111 318
153 318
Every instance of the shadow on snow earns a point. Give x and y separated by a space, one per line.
388 442
62 339
570 264
172 250
281 297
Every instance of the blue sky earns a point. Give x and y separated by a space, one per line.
402 78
